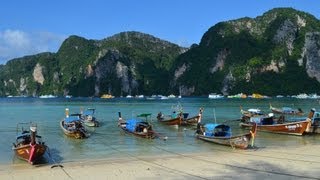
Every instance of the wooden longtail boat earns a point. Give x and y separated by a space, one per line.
29 145
173 120
72 126
193 121
88 118
221 134
137 127
287 111
180 119
268 125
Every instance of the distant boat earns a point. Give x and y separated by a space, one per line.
171 96
215 96
302 96
222 134
47 96
29 145
240 95
107 96
140 96
128 96
257 96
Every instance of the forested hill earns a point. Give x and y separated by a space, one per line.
126 63
275 53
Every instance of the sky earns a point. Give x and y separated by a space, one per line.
29 27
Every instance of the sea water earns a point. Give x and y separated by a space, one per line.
109 142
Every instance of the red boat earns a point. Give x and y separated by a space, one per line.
28 145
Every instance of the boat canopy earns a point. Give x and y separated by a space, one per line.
212 129
131 124
89 112
71 119
262 120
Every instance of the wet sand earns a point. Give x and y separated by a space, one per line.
261 163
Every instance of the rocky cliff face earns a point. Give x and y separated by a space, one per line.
311 52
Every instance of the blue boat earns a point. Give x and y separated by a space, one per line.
88 118
137 127
222 134
72 126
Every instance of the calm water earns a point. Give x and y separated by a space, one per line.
108 141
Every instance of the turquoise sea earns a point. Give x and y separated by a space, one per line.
108 141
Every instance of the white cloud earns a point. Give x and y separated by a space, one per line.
16 43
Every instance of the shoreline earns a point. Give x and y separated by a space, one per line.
261 163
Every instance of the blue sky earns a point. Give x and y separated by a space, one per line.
33 26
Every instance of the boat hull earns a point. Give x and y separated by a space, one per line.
240 141
193 121
293 128
175 121
25 151
147 135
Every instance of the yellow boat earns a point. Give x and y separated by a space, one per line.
107 96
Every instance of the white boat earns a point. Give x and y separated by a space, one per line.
47 96
171 96
215 96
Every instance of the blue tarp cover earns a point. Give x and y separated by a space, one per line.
131 124
71 119
211 130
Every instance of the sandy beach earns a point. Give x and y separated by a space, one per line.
260 163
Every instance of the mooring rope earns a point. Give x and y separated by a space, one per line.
57 165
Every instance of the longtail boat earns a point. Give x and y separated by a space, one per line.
88 118
193 121
29 146
180 119
287 111
221 134
72 126
137 127
269 125
170 120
